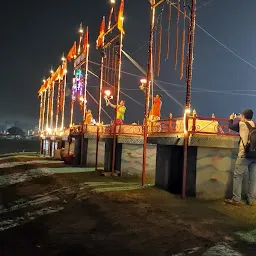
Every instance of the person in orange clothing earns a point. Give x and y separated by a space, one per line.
88 118
155 111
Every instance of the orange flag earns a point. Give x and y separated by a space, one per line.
121 17
63 70
86 40
55 75
72 52
48 83
99 41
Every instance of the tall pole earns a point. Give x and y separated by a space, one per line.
117 92
85 81
43 113
100 101
85 100
188 93
48 107
149 78
58 105
64 92
73 95
51 110
40 113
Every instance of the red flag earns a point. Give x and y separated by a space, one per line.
72 52
100 39
121 17
86 40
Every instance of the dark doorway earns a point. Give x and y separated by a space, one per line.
175 172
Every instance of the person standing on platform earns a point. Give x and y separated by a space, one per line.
88 118
121 109
246 159
155 112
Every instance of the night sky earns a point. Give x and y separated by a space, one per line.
35 34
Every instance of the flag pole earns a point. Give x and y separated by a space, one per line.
85 97
188 94
58 105
72 100
149 78
117 92
51 113
40 113
100 99
63 91
48 107
43 113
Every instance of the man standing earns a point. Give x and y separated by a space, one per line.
88 119
155 111
121 108
243 162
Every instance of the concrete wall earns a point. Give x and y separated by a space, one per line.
91 151
131 160
214 176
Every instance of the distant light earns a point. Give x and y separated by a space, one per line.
81 31
63 58
187 111
43 80
122 18
81 99
51 71
112 1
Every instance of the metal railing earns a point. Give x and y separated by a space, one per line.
196 125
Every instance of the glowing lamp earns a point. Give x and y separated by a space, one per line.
81 99
51 71
44 81
187 111
63 58
107 93
112 1
143 81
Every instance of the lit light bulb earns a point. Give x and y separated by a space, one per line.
107 92
187 111
81 99
143 81
43 80
51 71
112 1
122 18
63 58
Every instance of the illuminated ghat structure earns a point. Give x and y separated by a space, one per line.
189 155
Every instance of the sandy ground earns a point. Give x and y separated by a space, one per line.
47 208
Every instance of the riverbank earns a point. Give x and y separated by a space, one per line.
47 208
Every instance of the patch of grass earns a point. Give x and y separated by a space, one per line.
248 237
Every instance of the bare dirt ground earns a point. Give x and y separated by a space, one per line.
49 209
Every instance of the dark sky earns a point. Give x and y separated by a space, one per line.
34 35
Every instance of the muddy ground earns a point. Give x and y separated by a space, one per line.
48 209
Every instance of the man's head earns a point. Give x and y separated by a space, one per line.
158 96
122 103
247 114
